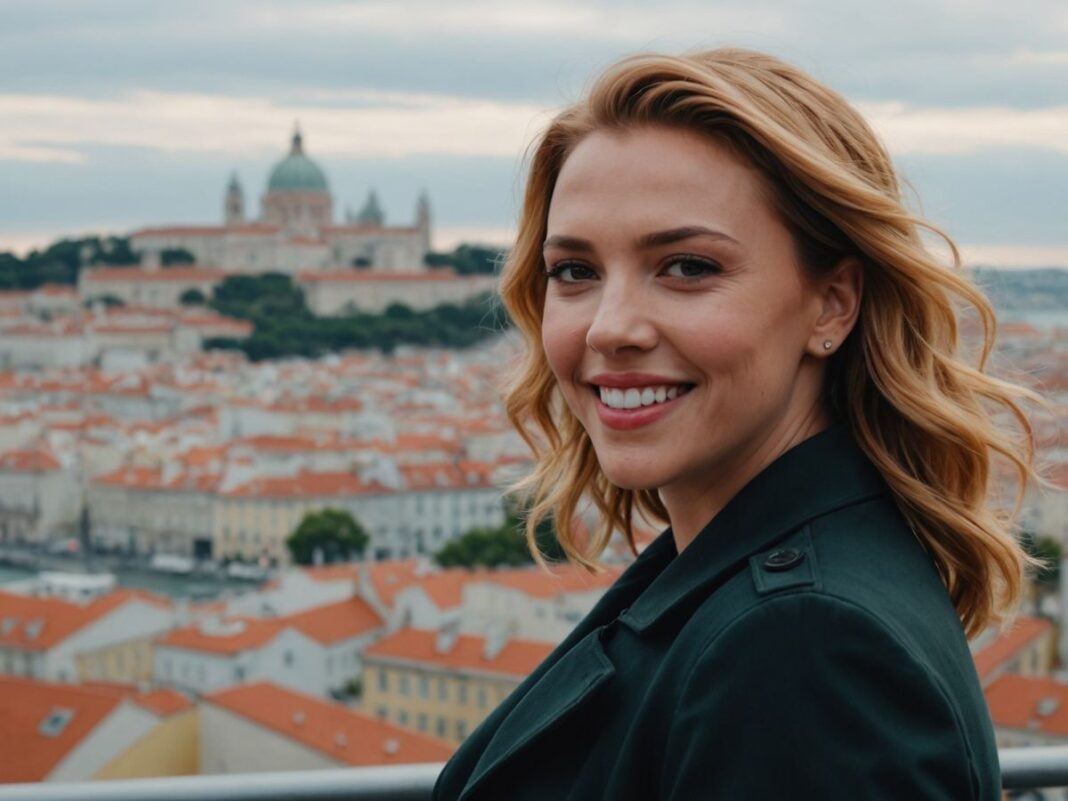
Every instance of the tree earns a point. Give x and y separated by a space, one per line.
169 256
192 297
333 532
469 259
110 301
505 545
399 311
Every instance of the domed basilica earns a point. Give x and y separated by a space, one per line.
295 230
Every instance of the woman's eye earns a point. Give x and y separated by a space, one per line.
692 268
558 272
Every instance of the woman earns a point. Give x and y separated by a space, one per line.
734 328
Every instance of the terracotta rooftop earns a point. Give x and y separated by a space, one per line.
227 637
37 624
29 754
333 730
1031 703
1023 632
518 657
331 623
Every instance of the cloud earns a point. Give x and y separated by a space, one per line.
616 22
908 130
374 123
382 124
1013 256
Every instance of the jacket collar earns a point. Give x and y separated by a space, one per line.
824 472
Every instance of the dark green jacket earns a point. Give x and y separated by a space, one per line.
802 646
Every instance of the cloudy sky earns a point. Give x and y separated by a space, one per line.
120 113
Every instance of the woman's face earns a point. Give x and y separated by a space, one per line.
668 265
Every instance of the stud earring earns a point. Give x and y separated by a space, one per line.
827 344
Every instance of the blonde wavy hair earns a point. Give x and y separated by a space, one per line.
927 419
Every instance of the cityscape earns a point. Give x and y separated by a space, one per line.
255 463
160 615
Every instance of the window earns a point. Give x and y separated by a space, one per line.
382 712
403 683
239 673
482 697
461 728
383 680
424 687
55 722
462 692
289 658
443 690
402 718
441 726
421 721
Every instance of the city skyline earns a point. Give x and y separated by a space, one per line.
118 116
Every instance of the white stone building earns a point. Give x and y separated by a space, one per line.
296 229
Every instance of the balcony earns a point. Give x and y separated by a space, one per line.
1021 768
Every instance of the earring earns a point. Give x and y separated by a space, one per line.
827 344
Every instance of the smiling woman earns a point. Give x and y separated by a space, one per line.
733 328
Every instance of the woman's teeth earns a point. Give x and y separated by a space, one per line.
632 398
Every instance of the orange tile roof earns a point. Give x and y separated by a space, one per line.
236 634
180 230
336 731
363 228
565 578
56 289
37 624
28 755
29 461
391 576
1023 632
1014 704
183 274
331 623
445 587
306 484
357 276
517 658
163 702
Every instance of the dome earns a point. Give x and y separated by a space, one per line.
297 172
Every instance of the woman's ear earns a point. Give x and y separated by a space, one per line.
839 296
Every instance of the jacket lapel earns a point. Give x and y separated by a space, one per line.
572 680
562 682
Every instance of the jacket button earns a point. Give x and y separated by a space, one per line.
783 559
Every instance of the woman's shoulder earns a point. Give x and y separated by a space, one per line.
847 611
824 684
862 557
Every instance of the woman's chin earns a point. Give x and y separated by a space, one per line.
633 479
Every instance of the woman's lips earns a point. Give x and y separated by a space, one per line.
628 419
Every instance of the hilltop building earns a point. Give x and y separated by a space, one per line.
296 229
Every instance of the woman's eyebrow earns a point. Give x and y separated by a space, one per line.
655 239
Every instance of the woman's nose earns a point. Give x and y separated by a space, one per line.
621 320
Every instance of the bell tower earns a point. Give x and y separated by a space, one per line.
234 205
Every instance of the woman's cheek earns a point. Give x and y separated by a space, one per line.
563 341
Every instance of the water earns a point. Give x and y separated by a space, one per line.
196 587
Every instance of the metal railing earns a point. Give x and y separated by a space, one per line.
1021 769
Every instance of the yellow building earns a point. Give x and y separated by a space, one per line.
444 683
59 732
126 662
